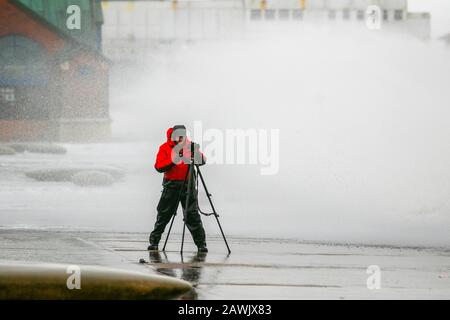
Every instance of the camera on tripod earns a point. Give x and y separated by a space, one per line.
189 153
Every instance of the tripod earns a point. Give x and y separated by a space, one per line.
193 171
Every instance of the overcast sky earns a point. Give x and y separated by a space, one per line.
440 14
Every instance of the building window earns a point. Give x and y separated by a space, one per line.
360 15
270 14
22 62
398 14
332 15
346 14
255 14
283 14
297 14
385 15
7 95
85 71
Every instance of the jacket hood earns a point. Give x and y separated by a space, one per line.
169 137
169 134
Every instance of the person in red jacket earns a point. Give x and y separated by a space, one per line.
173 160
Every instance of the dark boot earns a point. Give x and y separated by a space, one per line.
202 249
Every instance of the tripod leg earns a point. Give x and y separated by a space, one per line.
189 186
182 239
213 208
168 232
223 235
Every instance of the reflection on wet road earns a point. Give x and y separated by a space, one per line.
190 269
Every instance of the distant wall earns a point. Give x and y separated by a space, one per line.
133 29
25 130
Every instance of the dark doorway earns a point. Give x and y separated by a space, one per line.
23 79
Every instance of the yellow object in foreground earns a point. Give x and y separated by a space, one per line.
59 281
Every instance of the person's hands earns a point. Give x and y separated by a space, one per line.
182 154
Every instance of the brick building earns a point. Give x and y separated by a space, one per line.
53 81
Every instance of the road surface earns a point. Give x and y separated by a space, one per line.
256 268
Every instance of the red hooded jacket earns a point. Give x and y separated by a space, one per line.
164 162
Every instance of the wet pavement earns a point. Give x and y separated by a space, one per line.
256 268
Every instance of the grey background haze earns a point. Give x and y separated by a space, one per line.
440 14
363 118
364 123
